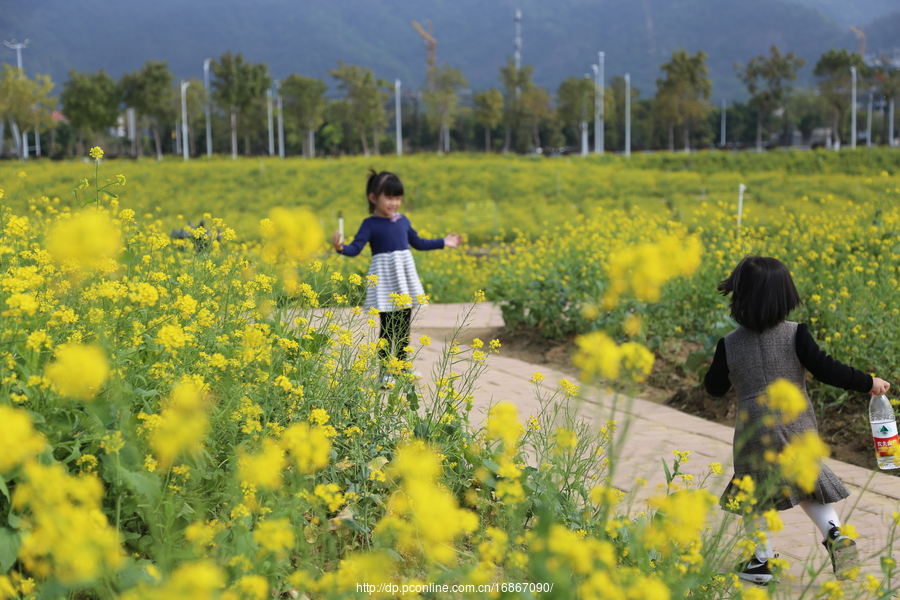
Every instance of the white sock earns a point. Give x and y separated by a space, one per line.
823 515
763 551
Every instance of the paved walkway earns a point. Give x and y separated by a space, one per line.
655 431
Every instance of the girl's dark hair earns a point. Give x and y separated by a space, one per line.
762 292
383 183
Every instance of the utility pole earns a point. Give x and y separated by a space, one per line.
627 114
853 109
891 124
280 119
602 56
132 131
399 126
184 126
208 116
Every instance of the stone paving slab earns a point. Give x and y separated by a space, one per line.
656 430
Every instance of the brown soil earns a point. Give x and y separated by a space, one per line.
844 427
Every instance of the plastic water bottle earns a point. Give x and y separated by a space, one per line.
884 431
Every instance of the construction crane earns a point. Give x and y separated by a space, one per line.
862 39
430 46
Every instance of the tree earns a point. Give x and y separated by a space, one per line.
304 108
833 71
90 102
26 102
808 110
516 81
364 100
768 81
488 112
536 108
888 78
684 94
149 91
442 98
237 87
574 103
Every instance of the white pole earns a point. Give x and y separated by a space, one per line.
722 142
17 46
891 124
208 116
398 118
280 123
596 69
627 114
602 56
271 126
741 188
584 125
233 134
132 134
853 110
37 142
517 45
869 121
184 124
24 144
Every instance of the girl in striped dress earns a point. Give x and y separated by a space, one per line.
390 235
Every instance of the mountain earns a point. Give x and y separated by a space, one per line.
855 12
560 39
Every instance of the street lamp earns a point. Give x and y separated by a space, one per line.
184 126
17 46
208 118
270 98
399 127
627 114
596 69
853 109
598 145
280 119
584 126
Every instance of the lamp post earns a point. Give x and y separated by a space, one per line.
17 46
398 126
853 109
627 114
596 69
599 142
584 125
891 124
869 120
280 119
722 139
269 102
184 126
208 117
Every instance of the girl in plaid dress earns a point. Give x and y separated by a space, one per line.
765 348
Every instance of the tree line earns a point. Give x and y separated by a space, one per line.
517 116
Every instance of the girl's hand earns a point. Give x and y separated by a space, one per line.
337 241
453 240
879 386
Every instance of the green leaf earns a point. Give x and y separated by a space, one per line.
148 486
110 194
3 489
668 473
695 360
9 547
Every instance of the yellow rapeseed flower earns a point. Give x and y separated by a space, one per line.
78 371
96 153
786 398
800 460
18 439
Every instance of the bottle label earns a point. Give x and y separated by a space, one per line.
886 439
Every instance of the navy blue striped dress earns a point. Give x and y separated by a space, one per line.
392 260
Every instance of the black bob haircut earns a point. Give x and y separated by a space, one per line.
385 183
762 292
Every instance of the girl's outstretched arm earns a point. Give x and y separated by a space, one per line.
453 240
359 241
825 368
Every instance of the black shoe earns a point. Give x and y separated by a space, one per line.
755 571
843 552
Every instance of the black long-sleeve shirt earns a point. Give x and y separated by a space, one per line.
815 360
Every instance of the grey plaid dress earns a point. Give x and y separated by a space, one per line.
755 360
